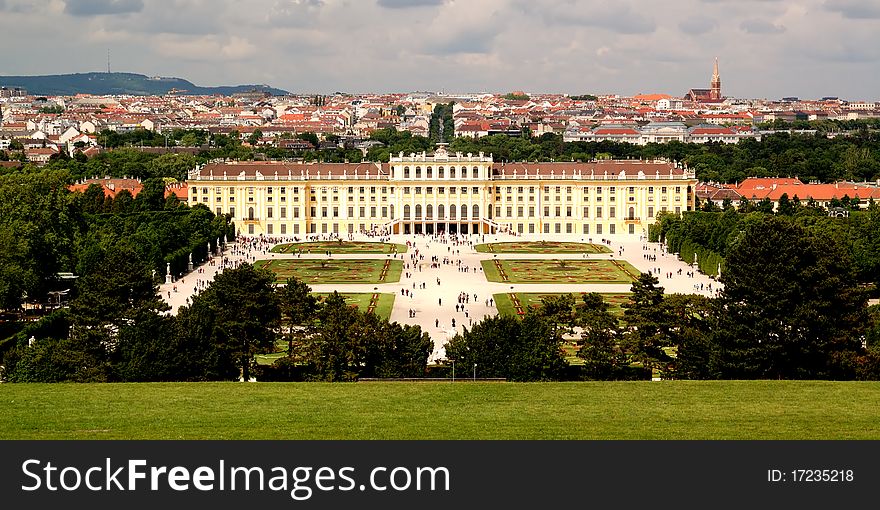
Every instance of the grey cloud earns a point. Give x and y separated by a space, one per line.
405 4
100 7
470 42
739 1
697 25
294 13
759 26
854 9
17 7
618 17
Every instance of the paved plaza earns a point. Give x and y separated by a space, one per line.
439 271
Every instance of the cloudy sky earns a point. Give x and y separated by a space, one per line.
766 48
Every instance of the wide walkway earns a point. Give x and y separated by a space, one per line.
427 296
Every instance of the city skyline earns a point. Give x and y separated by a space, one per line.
553 46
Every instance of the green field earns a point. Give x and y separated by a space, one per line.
625 410
335 270
381 307
322 247
526 300
556 271
541 247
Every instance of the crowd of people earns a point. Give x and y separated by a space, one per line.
426 268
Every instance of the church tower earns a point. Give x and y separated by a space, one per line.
715 92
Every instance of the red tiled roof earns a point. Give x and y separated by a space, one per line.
268 169
615 131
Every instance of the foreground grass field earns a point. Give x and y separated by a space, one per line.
634 410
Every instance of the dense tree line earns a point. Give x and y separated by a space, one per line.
709 235
115 331
47 230
809 157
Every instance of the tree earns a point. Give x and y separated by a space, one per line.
559 311
604 359
298 312
149 351
647 333
255 137
38 224
152 196
246 313
123 203
790 307
115 293
692 318
504 346
171 165
92 199
785 207
398 351
336 352
309 137
116 288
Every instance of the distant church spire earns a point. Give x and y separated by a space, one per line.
715 92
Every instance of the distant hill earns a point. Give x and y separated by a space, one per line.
120 84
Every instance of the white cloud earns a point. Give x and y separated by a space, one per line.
204 48
102 7
760 26
627 46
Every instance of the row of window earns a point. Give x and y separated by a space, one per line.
598 189
521 228
384 190
441 172
441 190
327 212
569 212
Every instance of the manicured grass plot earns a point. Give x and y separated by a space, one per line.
559 271
322 247
518 303
754 410
335 270
378 303
542 247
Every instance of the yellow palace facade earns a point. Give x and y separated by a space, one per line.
443 192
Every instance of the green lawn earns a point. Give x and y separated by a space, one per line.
270 411
542 247
528 300
384 302
321 247
335 270
553 271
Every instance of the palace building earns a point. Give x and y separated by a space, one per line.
444 192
